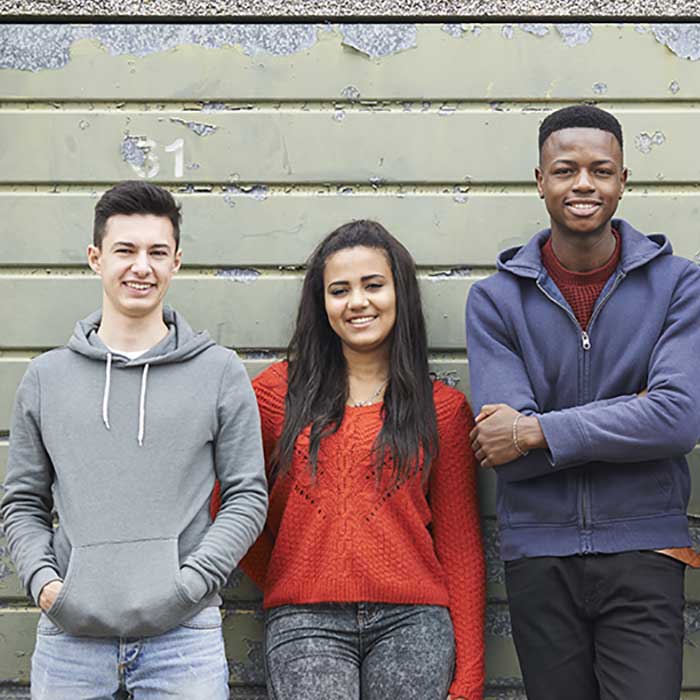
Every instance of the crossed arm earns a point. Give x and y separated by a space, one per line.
659 422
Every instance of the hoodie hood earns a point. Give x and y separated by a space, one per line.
180 344
637 250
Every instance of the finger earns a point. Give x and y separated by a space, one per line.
473 433
485 463
489 408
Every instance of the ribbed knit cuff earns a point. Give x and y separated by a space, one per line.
40 578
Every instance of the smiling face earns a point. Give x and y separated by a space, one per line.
360 298
136 262
581 179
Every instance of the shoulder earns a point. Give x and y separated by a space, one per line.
51 360
450 405
270 385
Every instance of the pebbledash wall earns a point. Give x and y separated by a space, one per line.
271 136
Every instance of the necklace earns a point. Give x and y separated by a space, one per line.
370 400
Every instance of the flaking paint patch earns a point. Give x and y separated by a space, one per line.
498 621
246 275
681 39
454 30
137 152
575 34
199 128
536 29
379 40
645 141
36 47
450 274
600 88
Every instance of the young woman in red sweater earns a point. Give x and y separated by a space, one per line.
371 561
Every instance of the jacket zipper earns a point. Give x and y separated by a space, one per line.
586 345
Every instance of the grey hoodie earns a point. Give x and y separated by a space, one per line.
127 451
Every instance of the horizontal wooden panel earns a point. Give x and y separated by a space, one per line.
294 146
455 228
521 65
246 314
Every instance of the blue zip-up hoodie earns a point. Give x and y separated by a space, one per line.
615 477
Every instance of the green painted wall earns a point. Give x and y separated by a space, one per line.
278 134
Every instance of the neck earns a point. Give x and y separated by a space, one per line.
131 333
583 253
367 366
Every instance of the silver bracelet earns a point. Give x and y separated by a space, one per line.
520 450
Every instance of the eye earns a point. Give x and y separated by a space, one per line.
562 171
375 285
604 172
159 253
122 251
337 291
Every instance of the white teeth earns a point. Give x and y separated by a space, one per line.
136 285
361 320
581 205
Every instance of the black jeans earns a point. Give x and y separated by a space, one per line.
598 627
372 651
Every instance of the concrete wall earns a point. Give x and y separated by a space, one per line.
272 135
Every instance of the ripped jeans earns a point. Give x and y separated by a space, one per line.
348 651
186 663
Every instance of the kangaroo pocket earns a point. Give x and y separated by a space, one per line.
122 589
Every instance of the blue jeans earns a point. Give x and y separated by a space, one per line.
373 651
186 663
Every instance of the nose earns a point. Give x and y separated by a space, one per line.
583 181
141 265
357 298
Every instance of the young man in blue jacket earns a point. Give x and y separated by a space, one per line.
584 352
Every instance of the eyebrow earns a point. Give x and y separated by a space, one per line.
129 244
364 278
569 161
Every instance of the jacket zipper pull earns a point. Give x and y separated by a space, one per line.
585 340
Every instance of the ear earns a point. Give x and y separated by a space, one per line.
538 180
623 181
94 255
177 261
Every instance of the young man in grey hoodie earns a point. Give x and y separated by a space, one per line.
123 433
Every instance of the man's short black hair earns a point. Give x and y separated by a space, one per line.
580 116
135 197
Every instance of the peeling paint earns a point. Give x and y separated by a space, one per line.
199 128
536 29
350 93
498 621
674 87
379 40
600 88
251 670
246 275
507 31
137 151
259 192
644 142
447 376
346 190
339 115
213 107
83 124
681 39
447 110
37 47
460 193
575 34
450 274
454 30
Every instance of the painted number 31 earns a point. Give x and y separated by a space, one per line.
142 156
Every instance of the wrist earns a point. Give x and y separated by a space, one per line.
530 435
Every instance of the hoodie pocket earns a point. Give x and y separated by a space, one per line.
122 589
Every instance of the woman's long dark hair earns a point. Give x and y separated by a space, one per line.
317 374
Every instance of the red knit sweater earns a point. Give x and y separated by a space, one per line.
344 538
580 289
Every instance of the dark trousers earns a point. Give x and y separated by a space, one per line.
598 627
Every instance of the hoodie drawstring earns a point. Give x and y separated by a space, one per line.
142 399
105 398
142 405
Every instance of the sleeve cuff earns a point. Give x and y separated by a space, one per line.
40 578
194 584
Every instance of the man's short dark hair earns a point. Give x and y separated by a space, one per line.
135 197
580 116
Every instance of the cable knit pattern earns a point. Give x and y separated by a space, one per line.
345 537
